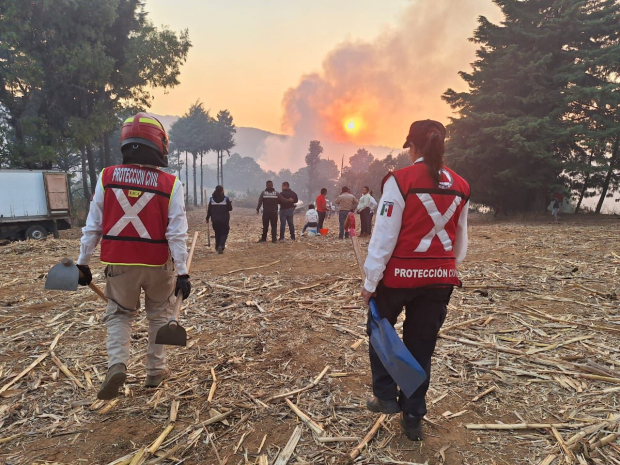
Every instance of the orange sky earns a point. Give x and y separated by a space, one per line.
248 55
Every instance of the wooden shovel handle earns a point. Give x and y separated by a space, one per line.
358 255
97 290
191 251
177 304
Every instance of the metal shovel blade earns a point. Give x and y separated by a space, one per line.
172 334
63 277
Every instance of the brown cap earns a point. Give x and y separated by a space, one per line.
420 130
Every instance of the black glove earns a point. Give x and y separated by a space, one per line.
183 285
86 276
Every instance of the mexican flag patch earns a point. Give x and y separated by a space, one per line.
386 209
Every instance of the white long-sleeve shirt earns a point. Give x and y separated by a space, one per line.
387 229
373 204
312 216
363 202
176 232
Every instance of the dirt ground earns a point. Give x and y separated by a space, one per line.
535 332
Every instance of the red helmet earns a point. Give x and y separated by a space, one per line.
147 130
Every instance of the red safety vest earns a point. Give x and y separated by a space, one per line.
424 253
135 215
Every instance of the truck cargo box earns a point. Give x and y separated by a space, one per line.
33 203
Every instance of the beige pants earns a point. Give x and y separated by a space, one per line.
123 287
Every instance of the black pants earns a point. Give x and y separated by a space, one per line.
270 218
365 221
309 225
321 219
221 230
342 217
426 310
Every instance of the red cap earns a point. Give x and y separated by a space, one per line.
420 130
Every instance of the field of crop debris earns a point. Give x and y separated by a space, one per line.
527 369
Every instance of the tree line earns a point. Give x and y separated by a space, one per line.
540 117
70 73
247 177
198 133
542 113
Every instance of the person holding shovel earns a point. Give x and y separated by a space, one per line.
138 214
420 237
218 211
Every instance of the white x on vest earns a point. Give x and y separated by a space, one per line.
440 222
131 214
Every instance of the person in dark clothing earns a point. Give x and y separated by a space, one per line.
219 210
270 199
287 211
556 210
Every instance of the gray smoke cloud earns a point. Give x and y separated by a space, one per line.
382 85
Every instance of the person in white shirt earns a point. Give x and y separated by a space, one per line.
420 237
363 208
138 214
373 209
312 219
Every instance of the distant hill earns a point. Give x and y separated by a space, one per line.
275 151
248 141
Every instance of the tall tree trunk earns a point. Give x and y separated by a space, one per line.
92 170
101 165
84 178
610 172
202 202
585 181
218 167
222 168
107 152
195 156
186 180
582 193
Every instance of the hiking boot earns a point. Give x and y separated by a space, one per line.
412 426
220 250
113 381
377 405
275 241
153 381
281 240
262 240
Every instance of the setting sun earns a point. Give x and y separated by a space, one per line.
350 125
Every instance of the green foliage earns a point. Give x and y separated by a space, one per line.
543 97
313 157
71 70
198 133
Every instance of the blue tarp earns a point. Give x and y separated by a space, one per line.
393 353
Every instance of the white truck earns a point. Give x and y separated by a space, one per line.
33 204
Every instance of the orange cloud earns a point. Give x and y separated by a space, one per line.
391 81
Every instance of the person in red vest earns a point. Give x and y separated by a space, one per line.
138 213
419 239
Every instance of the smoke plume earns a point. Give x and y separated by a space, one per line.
383 85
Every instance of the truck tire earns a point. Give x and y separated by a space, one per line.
36 232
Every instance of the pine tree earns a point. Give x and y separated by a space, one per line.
524 126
